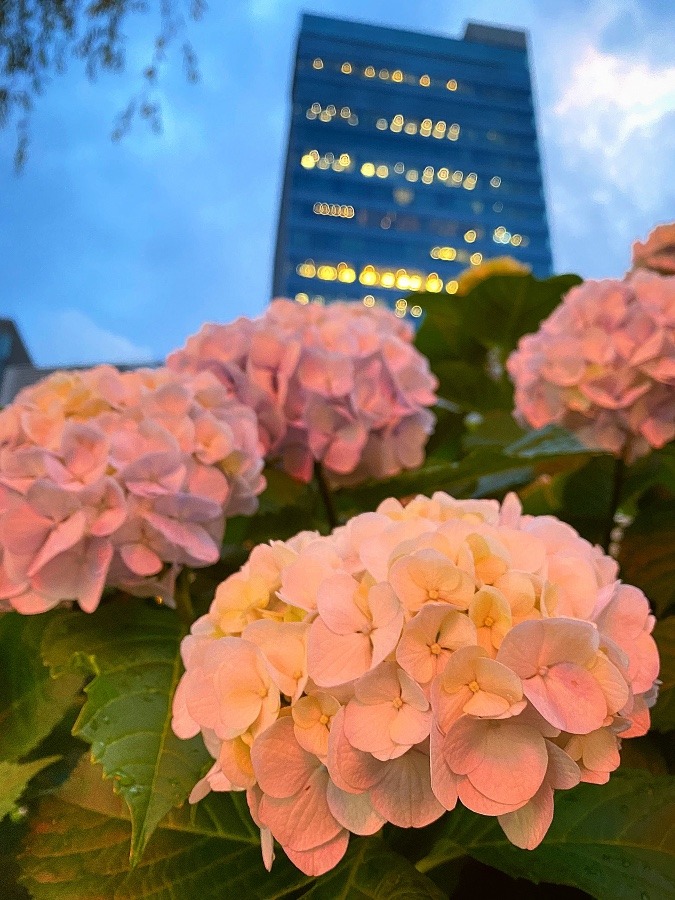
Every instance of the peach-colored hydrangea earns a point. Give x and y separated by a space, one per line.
658 251
603 365
340 384
118 478
419 655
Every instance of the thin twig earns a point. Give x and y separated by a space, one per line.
326 495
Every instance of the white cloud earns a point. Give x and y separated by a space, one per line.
72 338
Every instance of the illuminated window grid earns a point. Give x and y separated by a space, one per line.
376 276
391 75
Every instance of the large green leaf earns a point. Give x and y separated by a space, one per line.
647 554
79 842
31 703
502 308
663 714
132 650
371 871
615 841
77 848
14 778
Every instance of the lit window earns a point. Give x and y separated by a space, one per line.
398 119
425 81
400 313
470 236
384 74
453 132
476 259
345 159
302 298
498 207
307 162
306 269
318 63
444 174
387 279
327 273
495 181
434 283
397 75
331 110
415 282
385 222
402 280
369 72
310 114
346 68
347 275
382 171
457 176
516 240
435 253
416 311
369 300
381 124
439 129
345 112
368 276
368 169
399 168
451 85
401 303
410 128
451 287
412 175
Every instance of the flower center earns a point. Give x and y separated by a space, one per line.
542 670
488 622
435 649
474 686
398 703
433 594
323 719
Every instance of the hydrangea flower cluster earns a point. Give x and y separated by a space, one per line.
603 365
118 478
419 655
340 384
658 251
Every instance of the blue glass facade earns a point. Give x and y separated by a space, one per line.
410 157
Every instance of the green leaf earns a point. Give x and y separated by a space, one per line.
663 714
548 441
646 554
443 335
13 780
31 703
502 308
470 387
79 840
371 871
616 841
132 650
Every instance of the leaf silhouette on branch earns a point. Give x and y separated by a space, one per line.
38 38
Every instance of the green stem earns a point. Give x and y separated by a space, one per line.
183 600
615 499
326 495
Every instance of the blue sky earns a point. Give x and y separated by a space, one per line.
118 252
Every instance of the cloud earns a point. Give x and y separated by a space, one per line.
71 338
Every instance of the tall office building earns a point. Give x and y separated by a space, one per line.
410 157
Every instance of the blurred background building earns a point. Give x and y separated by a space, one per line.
410 157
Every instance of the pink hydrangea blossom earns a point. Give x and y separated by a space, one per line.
658 251
118 478
437 652
603 365
340 384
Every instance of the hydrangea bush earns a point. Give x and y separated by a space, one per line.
341 384
447 632
417 655
118 478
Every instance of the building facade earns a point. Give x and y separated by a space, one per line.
410 157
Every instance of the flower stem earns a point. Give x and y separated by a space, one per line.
326 495
184 607
615 499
